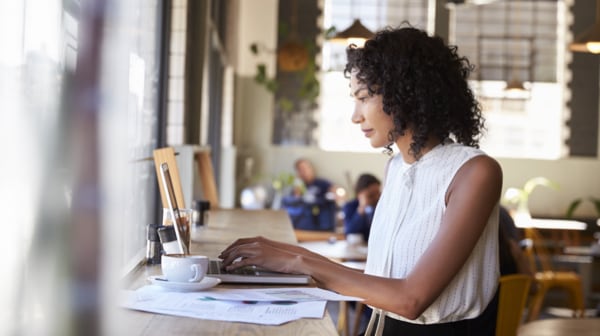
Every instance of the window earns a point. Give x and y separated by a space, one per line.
75 172
143 78
516 42
507 41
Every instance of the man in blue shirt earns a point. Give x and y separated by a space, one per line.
311 205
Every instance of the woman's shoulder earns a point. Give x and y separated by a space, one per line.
484 163
480 170
461 155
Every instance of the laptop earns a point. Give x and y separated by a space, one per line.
256 275
247 275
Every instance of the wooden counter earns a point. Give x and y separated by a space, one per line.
224 227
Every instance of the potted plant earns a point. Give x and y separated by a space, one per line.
517 199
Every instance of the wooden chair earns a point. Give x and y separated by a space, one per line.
167 155
207 177
201 159
514 289
546 278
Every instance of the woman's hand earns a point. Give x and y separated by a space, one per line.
266 253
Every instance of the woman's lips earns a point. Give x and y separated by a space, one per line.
367 132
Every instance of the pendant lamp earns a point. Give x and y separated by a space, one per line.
357 33
515 87
589 40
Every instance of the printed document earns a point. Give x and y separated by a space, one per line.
269 306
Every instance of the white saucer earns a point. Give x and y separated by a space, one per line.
207 282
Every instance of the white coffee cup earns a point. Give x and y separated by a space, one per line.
184 268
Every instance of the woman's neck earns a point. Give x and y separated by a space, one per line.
403 142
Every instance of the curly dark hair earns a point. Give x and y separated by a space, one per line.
423 83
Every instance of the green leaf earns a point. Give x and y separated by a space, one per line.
261 78
596 202
283 30
538 181
330 32
261 73
572 207
271 85
254 48
286 104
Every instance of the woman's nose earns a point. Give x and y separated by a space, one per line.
356 115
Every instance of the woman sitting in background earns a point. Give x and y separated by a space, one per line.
358 213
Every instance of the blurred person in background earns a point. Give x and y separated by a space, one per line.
358 213
512 258
311 203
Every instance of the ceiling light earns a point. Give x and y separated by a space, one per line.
357 34
589 40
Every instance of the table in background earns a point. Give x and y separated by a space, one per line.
561 327
588 264
339 250
224 227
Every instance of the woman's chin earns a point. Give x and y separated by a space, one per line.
377 144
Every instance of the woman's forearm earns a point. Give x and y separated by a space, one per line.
376 291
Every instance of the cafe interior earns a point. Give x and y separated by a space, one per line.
91 90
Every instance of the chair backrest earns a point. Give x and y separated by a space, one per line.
207 177
201 156
514 289
537 251
167 155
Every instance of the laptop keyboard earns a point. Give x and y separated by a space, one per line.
215 267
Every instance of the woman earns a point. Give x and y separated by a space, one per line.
358 213
432 265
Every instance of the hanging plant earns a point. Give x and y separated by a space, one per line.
309 89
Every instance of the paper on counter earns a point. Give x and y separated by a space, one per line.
276 294
196 305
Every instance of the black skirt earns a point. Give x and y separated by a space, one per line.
483 325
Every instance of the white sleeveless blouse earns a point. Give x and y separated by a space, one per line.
406 220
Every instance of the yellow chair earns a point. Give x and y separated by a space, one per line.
547 278
514 290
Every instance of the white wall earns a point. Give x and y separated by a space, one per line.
257 23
